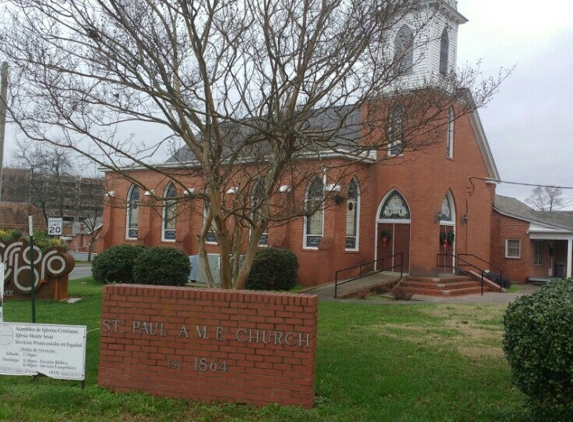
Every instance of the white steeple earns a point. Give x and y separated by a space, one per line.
424 43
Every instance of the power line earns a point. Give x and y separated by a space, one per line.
523 183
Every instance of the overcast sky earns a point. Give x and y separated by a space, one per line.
529 123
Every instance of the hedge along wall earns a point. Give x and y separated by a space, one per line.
209 344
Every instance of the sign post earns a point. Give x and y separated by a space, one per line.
32 270
2 269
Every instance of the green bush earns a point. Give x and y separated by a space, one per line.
273 269
8 235
115 264
162 266
538 343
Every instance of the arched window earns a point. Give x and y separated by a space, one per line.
444 52
132 212
313 204
396 131
404 50
450 134
169 213
395 208
256 199
447 214
352 215
211 234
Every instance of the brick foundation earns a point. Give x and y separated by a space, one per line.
211 345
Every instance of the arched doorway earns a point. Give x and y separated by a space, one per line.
447 239
393 232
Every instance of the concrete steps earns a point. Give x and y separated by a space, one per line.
442 286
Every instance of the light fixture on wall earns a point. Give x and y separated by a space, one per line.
149 193
232 190
189 191
110 193
284 188
465 218
332 188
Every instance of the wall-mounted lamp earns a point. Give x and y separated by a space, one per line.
332 188
465 218
232 190
189 191
284 188
149 193
110 193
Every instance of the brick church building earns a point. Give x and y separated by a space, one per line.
411 210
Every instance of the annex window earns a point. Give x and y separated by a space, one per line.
512 248
256 200
444 52
450 134
538 251
352 215
169 213
404 50
132 212
314 223
396 131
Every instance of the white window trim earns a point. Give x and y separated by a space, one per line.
127 215
357 228
518 248
321 210
206 206
164 218
450 134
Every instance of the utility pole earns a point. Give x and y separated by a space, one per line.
3 95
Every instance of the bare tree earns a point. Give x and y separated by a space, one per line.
50 178
251 90
547 198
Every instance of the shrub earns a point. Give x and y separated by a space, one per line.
163 266
538 344
115 264
7 236
273 269
400 293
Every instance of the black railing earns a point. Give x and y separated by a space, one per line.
462 266
496 278
369 268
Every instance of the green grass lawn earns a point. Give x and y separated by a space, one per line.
374 363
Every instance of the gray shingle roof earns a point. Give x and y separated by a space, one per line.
515 208
340 127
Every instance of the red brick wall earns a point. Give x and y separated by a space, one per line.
422 177
516 269
210 345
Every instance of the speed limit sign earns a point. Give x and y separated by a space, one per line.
54 226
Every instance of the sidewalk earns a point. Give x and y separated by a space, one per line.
489 298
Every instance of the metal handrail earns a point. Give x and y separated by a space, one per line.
366 264
485 262
463 270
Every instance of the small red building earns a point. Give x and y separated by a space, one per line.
531 245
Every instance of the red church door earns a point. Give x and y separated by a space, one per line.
393 240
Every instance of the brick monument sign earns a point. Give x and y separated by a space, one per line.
209 344
51 269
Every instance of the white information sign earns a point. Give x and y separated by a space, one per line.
55 226
56 351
